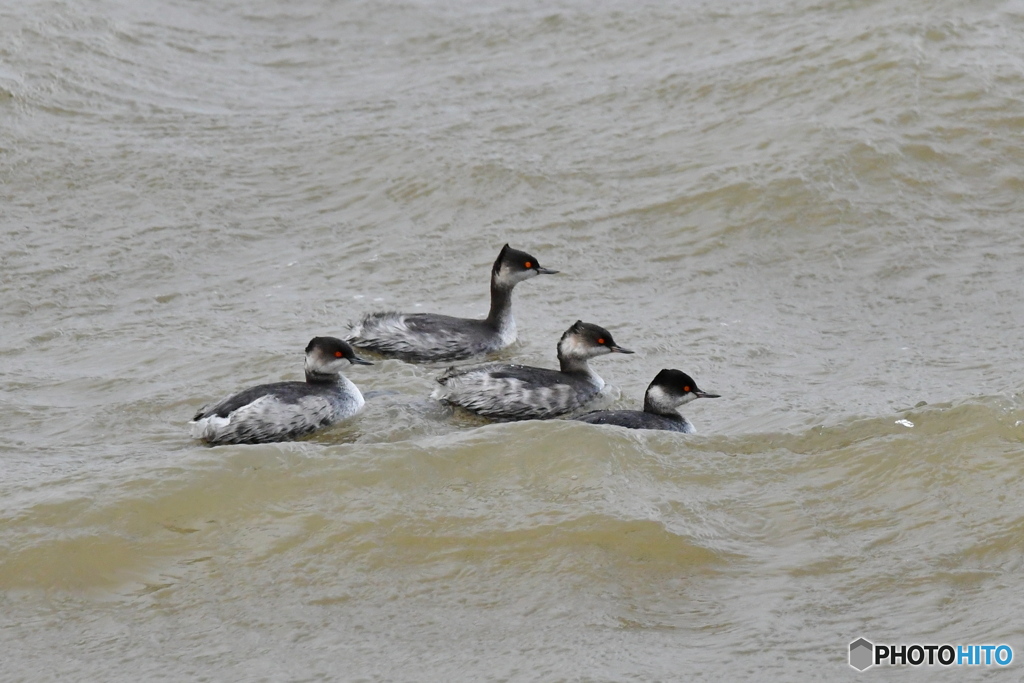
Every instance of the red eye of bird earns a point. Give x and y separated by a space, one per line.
601 340
686 390
338 354
528 264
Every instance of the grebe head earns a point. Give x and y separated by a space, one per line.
586 340
513 266
327 356
670 389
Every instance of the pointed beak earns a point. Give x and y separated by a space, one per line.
356 360
545 271
618 349
704 394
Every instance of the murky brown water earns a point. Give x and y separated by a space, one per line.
813 208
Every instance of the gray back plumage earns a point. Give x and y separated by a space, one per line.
435 337
424 336
276 412
517 392
637 419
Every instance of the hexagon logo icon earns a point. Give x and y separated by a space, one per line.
861 654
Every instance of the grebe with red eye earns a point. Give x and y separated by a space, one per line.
286 410
434 337
669 390
522 392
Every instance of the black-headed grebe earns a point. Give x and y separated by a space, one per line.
434 337
670 389
286 410
522 392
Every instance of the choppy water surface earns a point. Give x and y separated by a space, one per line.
812 207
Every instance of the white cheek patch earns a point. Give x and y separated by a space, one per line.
317 363
506 277
503 278
659 396
335 366
572 347
525 274
666 400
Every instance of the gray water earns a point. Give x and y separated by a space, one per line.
814 208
